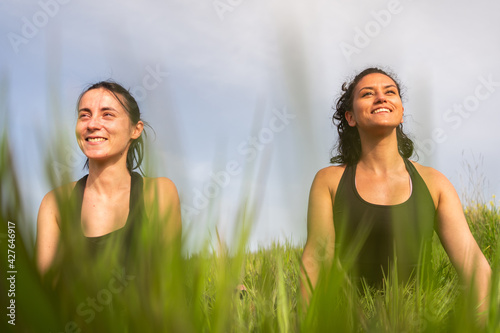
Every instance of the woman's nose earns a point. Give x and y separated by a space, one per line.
93 123
381 97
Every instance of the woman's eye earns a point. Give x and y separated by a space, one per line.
83 115
366 94
392 92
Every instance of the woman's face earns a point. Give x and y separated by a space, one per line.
376 104
103 129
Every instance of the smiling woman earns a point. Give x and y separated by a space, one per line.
112 203
114 108
375 212
349 145
103 128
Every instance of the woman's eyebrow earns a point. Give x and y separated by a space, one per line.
107 108
372 88
104 108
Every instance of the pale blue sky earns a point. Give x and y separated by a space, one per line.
226 69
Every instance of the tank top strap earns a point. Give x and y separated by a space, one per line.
412 170
136 202
80 185
345 180
76 200
419 187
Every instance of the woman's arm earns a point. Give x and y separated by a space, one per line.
459 243
47 235
320 244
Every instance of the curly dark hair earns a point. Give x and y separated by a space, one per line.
135 153
349 144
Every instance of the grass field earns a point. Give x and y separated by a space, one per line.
163 291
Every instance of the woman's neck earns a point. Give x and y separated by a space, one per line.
380 154
105 179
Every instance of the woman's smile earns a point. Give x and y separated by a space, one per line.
95 140
381 110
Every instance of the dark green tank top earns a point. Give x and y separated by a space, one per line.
125 234
370 239
86 265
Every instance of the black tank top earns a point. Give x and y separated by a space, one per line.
86 265
124 234
368 235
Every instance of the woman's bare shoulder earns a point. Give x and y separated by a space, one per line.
49 207
429 174
436 182
59 193
329 177
331 173
160 189
160 196
159 184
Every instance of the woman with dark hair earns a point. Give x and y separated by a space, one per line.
112 200
376 210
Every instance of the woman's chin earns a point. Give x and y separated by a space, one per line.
97 158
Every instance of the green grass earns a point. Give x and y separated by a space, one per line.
164 291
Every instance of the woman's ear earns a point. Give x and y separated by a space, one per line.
137 130
349 116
